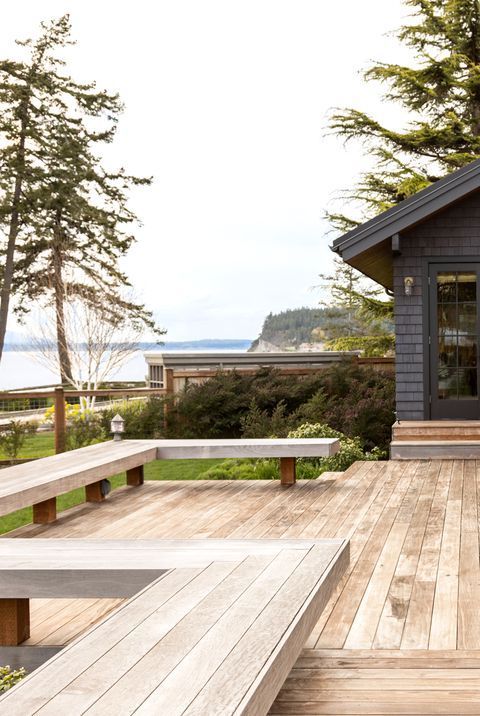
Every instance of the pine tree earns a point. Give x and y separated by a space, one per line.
74 231
23 88
355 317
77 236
441 95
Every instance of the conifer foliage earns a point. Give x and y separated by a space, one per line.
440 94
65 215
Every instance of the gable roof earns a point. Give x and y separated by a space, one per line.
368 247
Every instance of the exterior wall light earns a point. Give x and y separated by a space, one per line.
408 283
117 427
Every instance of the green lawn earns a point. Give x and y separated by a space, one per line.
38 445
42 444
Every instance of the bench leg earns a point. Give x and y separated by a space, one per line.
93 492
45 512
287 471
135 476
14 621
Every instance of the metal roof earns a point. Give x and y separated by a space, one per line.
368 246
200 360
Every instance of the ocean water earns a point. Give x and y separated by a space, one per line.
24 369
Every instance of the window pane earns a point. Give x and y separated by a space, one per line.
467 286
467 318
467 352
457 335
447 317
446 287
447 383
447 352
467 383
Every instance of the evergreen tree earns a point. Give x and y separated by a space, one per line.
441 95
23 88
355 317
75 230
78 232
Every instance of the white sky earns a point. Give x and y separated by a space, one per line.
226 106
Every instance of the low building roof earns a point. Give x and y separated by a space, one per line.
370 246
201 360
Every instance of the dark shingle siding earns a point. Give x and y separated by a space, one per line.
453 233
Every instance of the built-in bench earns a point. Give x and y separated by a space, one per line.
216 633
39 483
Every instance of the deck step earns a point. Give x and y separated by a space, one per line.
433 430
435 450
364 682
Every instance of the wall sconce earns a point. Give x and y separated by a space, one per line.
408 283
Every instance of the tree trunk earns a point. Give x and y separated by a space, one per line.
59 292
6 289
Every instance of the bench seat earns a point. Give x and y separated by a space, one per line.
216 638
38 483
41 480
104 568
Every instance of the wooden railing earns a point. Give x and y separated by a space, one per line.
61 395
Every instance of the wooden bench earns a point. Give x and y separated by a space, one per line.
39 483
93 568
217 637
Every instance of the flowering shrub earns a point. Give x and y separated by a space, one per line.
350 448
9 677
84 426
307 468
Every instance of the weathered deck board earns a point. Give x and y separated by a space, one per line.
225 634
382 682
427 512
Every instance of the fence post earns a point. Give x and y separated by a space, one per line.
168 384
60 423
169 380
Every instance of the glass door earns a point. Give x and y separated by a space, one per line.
453 338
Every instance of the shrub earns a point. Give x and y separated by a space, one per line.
350 448
143 418
84 427
242 470
359 402
355 400
213 409
9 677
259 423
307 468
13 437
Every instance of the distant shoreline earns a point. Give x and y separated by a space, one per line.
208 344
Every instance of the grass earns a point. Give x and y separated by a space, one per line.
42 445
38 445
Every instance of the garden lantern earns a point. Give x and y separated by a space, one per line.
117 427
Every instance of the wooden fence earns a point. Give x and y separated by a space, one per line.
176 379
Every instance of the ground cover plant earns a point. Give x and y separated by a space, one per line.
9 677
307 468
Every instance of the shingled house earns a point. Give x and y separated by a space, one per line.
426 251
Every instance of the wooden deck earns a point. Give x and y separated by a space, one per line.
401 635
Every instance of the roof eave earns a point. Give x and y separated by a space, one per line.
409 213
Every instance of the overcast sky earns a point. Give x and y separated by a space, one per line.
226 106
